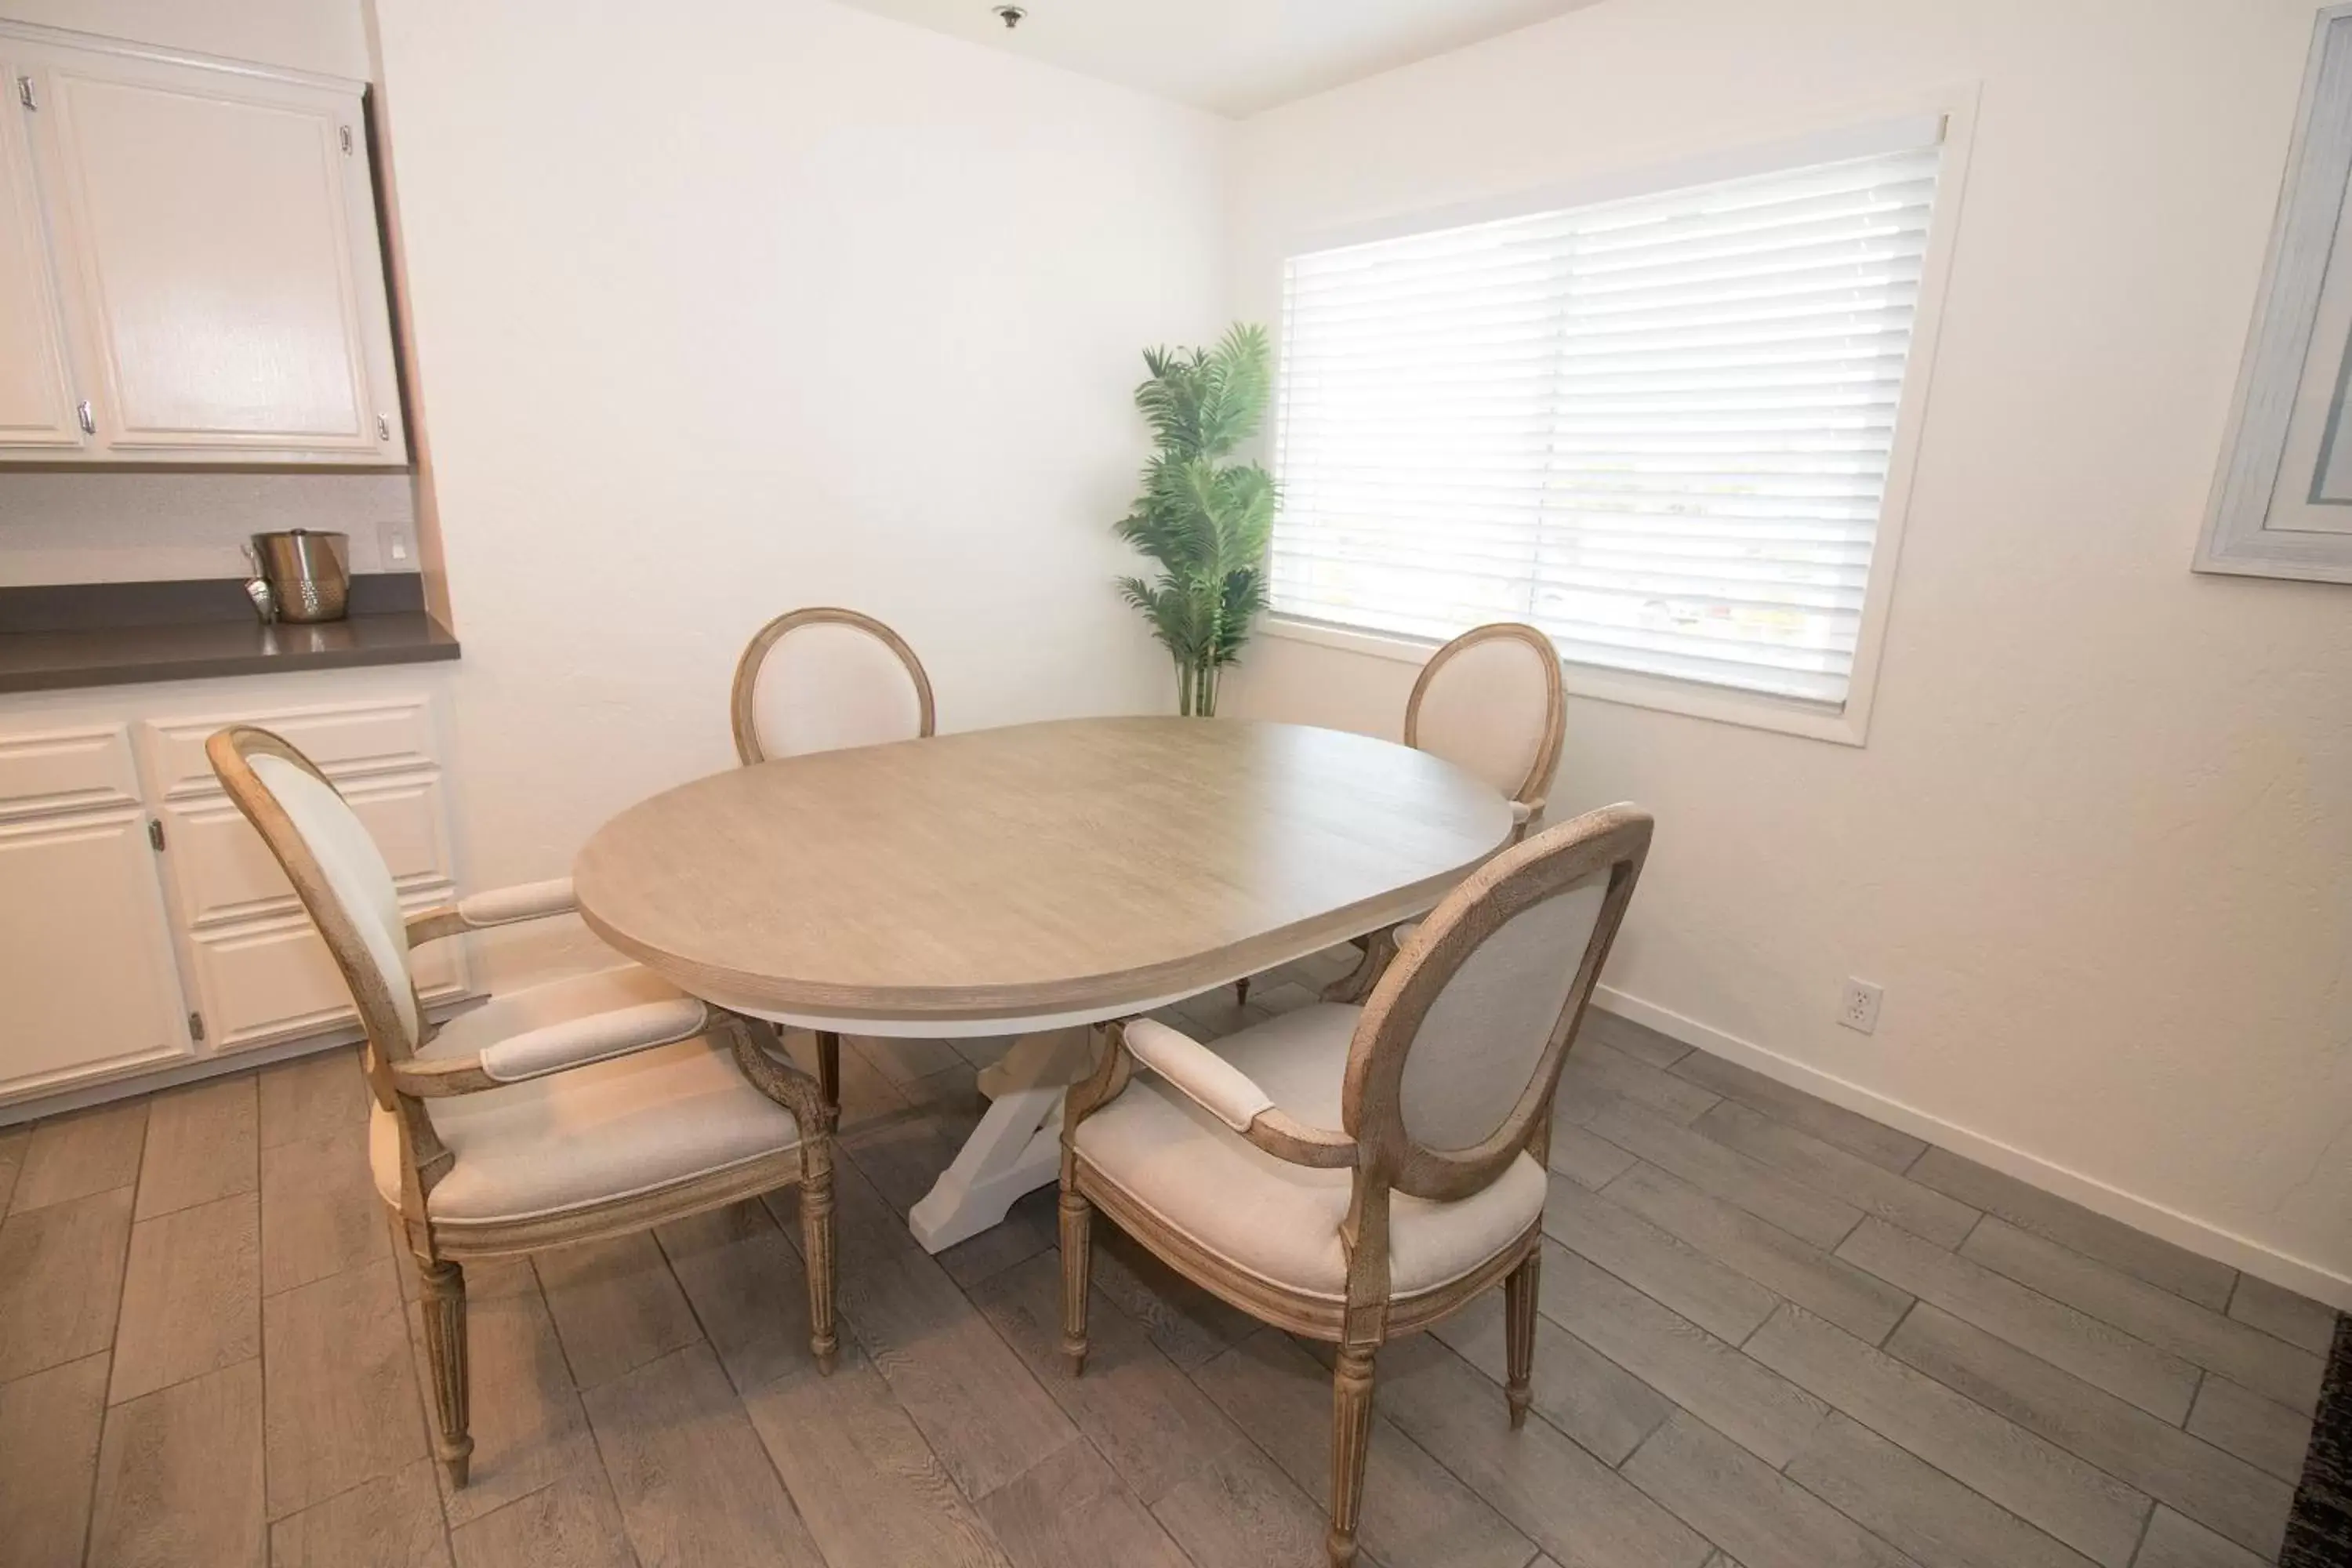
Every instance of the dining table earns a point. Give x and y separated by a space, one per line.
1031 881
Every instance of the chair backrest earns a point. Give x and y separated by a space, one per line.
1491 701
1452 1066
339 875
823 679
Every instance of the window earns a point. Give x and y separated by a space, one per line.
1658 426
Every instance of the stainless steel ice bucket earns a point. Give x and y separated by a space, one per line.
310 574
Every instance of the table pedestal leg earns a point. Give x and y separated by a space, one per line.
1017 1148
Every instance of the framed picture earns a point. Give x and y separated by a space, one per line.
2282 499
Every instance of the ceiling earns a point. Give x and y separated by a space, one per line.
1233 57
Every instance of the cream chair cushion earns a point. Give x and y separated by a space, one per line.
630 1125
827 686
1485 709
1277 1220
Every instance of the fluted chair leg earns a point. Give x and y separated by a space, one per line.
816 1242
1351 1433
1519 1333
828 1072
445 1354
1077 1276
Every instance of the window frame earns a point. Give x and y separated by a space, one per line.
1853 133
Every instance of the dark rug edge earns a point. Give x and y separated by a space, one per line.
2320 1532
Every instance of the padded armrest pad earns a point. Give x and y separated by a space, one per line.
524 901
1198 1073
1524 811
576 1042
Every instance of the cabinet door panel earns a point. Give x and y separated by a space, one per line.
88 986
260 981
212 222
36 392
222 870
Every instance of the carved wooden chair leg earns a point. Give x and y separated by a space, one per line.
816 1245
1351 1433
1077 1276
1519 1332
445 1352
1380 948
1241 992
828 1071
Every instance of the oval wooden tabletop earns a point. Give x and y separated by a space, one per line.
1078 864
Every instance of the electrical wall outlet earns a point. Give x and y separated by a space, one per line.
391 544
1858 1005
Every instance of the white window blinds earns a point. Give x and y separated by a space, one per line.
1659 428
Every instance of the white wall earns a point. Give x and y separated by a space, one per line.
2099 846
767 304
321 36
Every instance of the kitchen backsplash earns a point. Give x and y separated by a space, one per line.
83 527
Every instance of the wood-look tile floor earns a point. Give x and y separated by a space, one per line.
1775 1334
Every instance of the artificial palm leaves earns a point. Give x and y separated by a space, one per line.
1205 521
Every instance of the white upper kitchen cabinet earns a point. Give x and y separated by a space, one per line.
215 274
37 387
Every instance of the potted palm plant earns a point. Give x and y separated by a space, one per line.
1203 520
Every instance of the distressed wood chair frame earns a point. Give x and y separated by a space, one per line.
1528 801
748 750
400 1082
1373 1145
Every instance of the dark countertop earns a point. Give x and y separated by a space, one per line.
55 639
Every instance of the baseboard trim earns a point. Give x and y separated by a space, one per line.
2205 1240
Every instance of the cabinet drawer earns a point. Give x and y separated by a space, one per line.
345 741
45 774
260 981
222 870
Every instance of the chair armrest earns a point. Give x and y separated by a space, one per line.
557 1048
497 907
1524 811
1233 1097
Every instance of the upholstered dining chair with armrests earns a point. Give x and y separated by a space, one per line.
584 1108
1490 701
1356 1173
822 680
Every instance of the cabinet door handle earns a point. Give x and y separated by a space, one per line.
81 412
25 92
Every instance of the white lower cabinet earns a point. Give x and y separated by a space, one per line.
143 925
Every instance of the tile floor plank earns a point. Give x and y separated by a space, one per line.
310 1096
1190 1326
1578 1510
1743 1505
2282 1314
1030 1228
81 1152
2091 1511
2144 1257
2266 1435
1826 1168
179 1477
1860 1303
2096 1352
1586 1158
1070 1510
342 1403
2271 1367
203 1143
61 1280
1726 1174
1718 1299
321 1214
1734 1394
2177 1542
1416 1514
1641 1042
1917 1508
191 1296
49 1458
12 1161
692 1481
527 1427
2152 1455
747 1288
616 1305
867 1485
1142 1414
394 1521
1240 1510
1596 1402
572 1524
984 1414
1850 1130
1598 1077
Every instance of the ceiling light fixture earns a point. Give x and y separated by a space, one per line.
1010 15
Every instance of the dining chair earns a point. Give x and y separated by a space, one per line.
1489 701
1352 1173
578 1110
824 679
